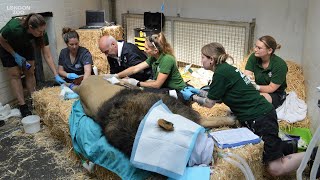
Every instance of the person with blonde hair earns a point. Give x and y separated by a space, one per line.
165 72
253 111
17 53
269 71
74 60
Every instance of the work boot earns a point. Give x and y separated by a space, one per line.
312 157
24 110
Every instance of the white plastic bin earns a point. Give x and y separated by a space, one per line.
31 124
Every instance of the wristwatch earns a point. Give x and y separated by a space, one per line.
138 84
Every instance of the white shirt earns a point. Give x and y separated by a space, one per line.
120 46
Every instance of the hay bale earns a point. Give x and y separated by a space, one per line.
55 112
114 31
89 38
251 153
295 82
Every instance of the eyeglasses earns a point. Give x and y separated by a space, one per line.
258 47
152 41
265 43
106 52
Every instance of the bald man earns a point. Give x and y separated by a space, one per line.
122 55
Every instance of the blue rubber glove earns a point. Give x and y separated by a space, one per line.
72 76
192 89
19 59
187 94
71 96
59 79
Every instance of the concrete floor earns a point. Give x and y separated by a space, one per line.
34 156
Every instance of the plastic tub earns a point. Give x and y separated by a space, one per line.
303 133
31 124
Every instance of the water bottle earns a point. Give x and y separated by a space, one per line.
95 70
28 65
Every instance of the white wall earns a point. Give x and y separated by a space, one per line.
311 60
65 13
283 19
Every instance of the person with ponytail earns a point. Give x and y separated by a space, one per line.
163 63
74 60
17 53
268 71
253 111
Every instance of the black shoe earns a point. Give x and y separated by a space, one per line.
312 157
290 147
2 123
24 110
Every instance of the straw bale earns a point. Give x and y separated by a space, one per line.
89 38
295 82
54 112
223 170
114 31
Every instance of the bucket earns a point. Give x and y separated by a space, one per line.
31 124
303 133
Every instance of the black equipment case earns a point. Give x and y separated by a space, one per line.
153 24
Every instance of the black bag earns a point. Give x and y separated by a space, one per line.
153 21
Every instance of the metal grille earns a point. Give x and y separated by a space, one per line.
132 23
187 36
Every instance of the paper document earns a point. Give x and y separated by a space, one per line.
234 137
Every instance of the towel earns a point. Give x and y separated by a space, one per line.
293 109
160 151
88 140
202 151
6 112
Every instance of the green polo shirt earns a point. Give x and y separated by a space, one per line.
18 37
236 91
166 64
276 71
